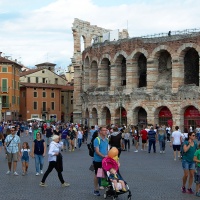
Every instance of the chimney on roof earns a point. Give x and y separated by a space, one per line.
0 54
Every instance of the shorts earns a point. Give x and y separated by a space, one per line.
12 157
188 165
25 159
144 141
176 147
197 176
96 166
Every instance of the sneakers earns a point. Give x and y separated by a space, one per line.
163 152
65 184
136 151
160 151
23 173
189 191
101 188
15 174
42 184
72 149
183 189
8 172
96 193
124 189
37 174
197 194
41 172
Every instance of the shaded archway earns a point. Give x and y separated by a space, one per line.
164 70
104 73
94 117
86 119
142 118
93 74
165 117
191 117
191 67
121 116
86 74
120 71
106 116
142 70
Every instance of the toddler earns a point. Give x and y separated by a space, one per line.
25 151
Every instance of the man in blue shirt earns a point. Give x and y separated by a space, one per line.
101 151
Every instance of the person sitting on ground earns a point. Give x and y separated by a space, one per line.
116 178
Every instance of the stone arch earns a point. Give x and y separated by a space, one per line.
94 119
104 73
87 55
182 48
120 116
155 52
187 119
123 53
93 77
161 66
94 59
105 56
105 116
136 51
86 69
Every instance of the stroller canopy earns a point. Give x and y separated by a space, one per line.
108 163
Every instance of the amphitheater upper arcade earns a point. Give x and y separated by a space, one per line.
136 79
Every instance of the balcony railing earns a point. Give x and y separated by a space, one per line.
4 89
5 105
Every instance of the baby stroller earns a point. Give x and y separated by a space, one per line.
107 164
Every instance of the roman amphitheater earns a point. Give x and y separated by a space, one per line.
138 81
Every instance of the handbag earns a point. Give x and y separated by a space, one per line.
100 173
59 162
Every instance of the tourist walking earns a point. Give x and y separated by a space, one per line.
55 161
101 151
12 144
38 152
161 138
127 139
176 142
188 164
80 137
25 151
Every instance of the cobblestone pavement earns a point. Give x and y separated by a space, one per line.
150 176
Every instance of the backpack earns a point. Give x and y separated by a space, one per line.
91 147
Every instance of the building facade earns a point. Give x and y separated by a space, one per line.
44 94
9 89
137 81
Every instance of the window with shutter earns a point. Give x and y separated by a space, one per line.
4 85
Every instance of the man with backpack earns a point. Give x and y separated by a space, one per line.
101 151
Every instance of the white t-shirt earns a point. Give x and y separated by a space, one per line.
80 135
177 137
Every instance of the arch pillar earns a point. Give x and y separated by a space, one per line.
152 73
177 73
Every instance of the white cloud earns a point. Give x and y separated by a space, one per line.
34 34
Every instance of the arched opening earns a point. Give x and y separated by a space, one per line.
94 117
104 73
164 70
142 70
121 116
191 118
142 118
191 67
120 72
86 120
165 117
82 43
93 74
106 116
86 74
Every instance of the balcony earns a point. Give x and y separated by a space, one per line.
5 105
4 89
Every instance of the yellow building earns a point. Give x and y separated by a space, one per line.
9 89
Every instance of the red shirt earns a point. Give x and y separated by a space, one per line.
143 133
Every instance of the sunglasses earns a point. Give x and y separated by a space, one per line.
12 130
193 135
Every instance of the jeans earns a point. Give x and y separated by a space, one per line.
154 145
162 145
39 162
52 164
127 142
65 143
79 142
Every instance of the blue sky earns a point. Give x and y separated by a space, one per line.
39 31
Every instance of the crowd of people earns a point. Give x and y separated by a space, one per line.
58 137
